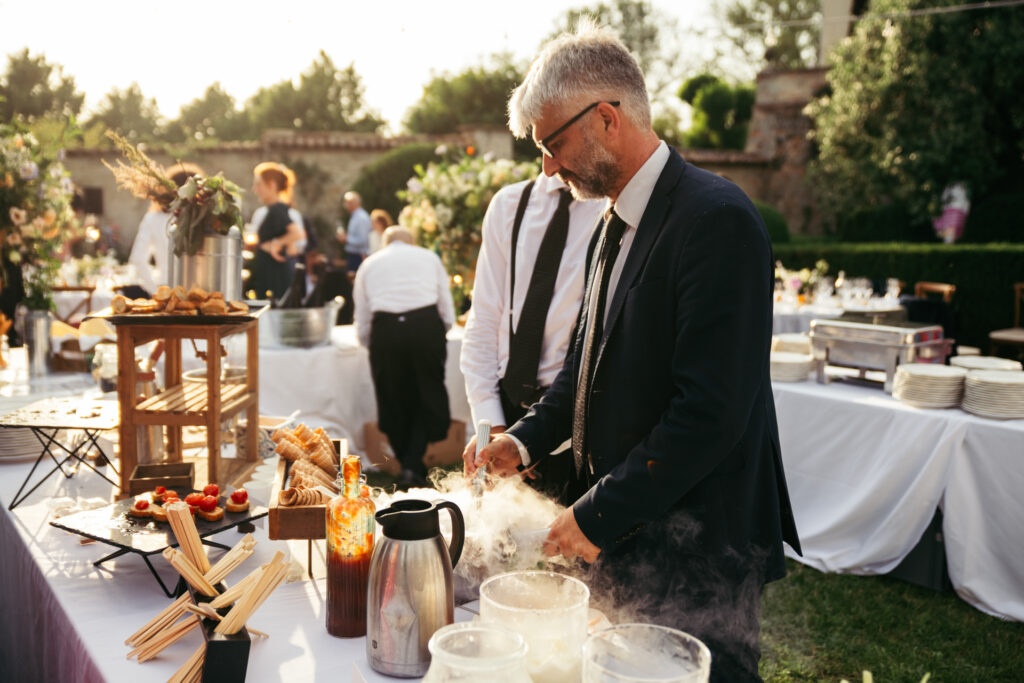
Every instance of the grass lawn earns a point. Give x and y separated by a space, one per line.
826 627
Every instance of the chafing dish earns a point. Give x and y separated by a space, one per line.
864 346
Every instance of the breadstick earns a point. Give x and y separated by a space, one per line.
242 551
189 572
184 528
192 669
270 577
164 639
165 613
233 593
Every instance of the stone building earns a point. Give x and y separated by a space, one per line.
327 164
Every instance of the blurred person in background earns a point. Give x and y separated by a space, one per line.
356 238
380 220
150 252
403 309
279 229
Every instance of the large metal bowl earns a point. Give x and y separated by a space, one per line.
298 327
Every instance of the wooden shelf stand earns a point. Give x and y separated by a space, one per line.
181 404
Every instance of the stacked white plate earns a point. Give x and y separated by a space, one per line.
994 393
791 342
985 363
929 386
790 367
18 442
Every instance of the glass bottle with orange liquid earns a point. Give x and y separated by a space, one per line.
350 527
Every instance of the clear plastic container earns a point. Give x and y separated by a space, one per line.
549 610
477 651
644 653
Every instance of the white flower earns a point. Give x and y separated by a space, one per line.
29 170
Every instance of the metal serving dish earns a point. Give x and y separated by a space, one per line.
875 347
299 327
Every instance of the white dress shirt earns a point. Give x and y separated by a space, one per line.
486 341
630 205
151 241
400 277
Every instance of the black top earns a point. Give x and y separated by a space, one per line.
275 223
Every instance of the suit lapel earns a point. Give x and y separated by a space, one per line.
651 224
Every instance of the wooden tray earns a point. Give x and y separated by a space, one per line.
293 521
172 319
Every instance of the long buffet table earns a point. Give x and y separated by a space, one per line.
867 472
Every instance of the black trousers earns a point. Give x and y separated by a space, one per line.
407 357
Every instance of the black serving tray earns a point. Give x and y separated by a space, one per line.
115 526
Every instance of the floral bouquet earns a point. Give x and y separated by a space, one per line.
200 205
803 281
445 206
35 211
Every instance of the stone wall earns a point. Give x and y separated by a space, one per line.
332 162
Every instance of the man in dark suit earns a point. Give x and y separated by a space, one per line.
681 501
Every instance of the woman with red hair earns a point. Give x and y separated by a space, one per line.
279 229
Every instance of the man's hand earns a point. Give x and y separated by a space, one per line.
501 456
566 539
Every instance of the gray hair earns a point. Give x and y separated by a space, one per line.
589 65
397 233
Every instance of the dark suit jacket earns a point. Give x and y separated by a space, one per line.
681 419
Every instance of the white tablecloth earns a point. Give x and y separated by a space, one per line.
866 473
62 619
331 385
68 301
798 318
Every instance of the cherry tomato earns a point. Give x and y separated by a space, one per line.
141 504
161 490
211 490
208 504
239 496
194 499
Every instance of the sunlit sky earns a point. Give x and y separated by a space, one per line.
174 49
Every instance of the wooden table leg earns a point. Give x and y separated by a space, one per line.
252 413
172 377
126 402
213 406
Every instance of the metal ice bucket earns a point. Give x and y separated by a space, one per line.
298 327
216 267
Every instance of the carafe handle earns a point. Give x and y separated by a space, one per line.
458 530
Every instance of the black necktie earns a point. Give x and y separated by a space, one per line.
613 231
520 381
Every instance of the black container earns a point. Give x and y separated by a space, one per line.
227 656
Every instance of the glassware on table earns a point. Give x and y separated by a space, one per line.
477 651
549 610
644 653
892 289
350 525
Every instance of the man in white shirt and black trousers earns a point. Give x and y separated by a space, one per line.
403 308
529 283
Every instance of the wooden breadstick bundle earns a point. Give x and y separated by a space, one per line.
164 639
166 617
184 528
233 593
192 669
289 451
270 577
242 551
302 496
189 572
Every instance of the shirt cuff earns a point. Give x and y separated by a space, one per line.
489 409
523 453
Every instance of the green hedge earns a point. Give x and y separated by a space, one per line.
774 221
984 275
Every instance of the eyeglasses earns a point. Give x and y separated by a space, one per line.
543 144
